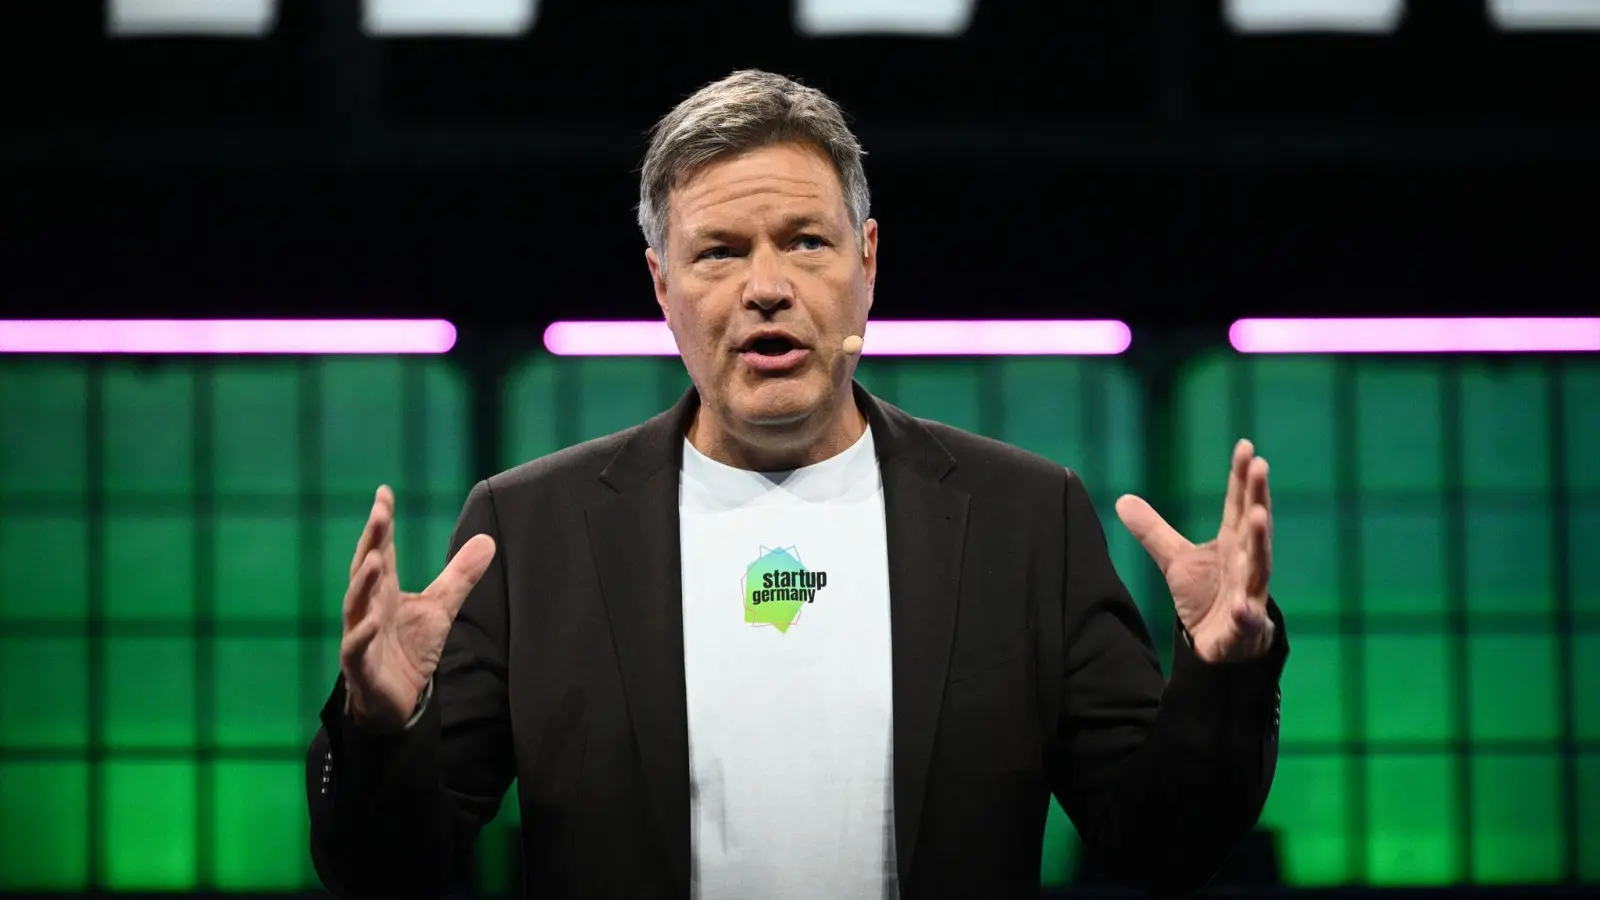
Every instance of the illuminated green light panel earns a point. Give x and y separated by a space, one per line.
174 538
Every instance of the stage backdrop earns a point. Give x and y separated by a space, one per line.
175 536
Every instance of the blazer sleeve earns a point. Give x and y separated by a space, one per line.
397 815
1163 778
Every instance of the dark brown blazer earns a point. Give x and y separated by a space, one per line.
1021 669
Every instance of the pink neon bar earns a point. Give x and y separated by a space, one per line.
297 336
998 337
1442 335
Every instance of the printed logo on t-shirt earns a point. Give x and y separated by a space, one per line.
777 586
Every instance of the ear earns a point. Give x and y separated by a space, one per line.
658 279
869 256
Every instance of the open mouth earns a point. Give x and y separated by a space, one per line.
773 353
771 346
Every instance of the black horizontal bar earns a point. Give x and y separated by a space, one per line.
599 149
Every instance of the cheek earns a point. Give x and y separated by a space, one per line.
698 333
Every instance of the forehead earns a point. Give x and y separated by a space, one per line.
783 179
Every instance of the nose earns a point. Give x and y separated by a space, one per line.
768 288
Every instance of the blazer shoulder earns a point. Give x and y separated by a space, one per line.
567 468
992 458
1019 479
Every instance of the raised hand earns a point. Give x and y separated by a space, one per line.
393 639
1219 587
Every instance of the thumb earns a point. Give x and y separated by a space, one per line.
462 573
1160 540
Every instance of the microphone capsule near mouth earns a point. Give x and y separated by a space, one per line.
852 344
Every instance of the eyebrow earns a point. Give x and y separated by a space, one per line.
725 236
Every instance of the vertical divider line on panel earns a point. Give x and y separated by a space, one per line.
569 395
414 463
1347 494
886 378
1561 563
1096 444
314 599
991 397
95 511
1158 370
667 393
1455 515
202 398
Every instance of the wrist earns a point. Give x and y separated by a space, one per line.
357 713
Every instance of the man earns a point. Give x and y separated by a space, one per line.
785 640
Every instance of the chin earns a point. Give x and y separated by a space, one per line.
780 402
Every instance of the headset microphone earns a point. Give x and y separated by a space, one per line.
852 344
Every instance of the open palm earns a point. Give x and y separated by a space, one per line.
393 639
1219 588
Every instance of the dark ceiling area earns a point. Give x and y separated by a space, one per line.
1136 159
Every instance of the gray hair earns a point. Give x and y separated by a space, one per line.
745 111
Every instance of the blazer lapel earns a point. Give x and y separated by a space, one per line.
926 522
635 540
635 531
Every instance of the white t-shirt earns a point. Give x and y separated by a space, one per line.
787 660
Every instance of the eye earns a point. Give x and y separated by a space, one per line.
810 242
716 253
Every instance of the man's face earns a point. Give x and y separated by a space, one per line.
762 279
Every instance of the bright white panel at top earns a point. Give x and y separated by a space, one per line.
933 18
1545 15
487 18
237 18
1352 16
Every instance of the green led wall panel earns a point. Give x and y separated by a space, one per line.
554 402
44 447
175 536
44 565
259 829
174 540
1431 520
1412 810
1409 696
1517 835
44 826
150 827
1587 800
44 693
256 681
1313 792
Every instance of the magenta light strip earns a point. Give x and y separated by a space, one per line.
1041 337
1440 335
299 336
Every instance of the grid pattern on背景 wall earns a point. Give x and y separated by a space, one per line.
175 535
1437 530
172 538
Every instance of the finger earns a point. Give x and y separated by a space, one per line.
379 522
1256 493
1160 540
1252 622
1234 503
363 586
462 573
386 497
354 644
1258 547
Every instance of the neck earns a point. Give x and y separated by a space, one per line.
779 448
